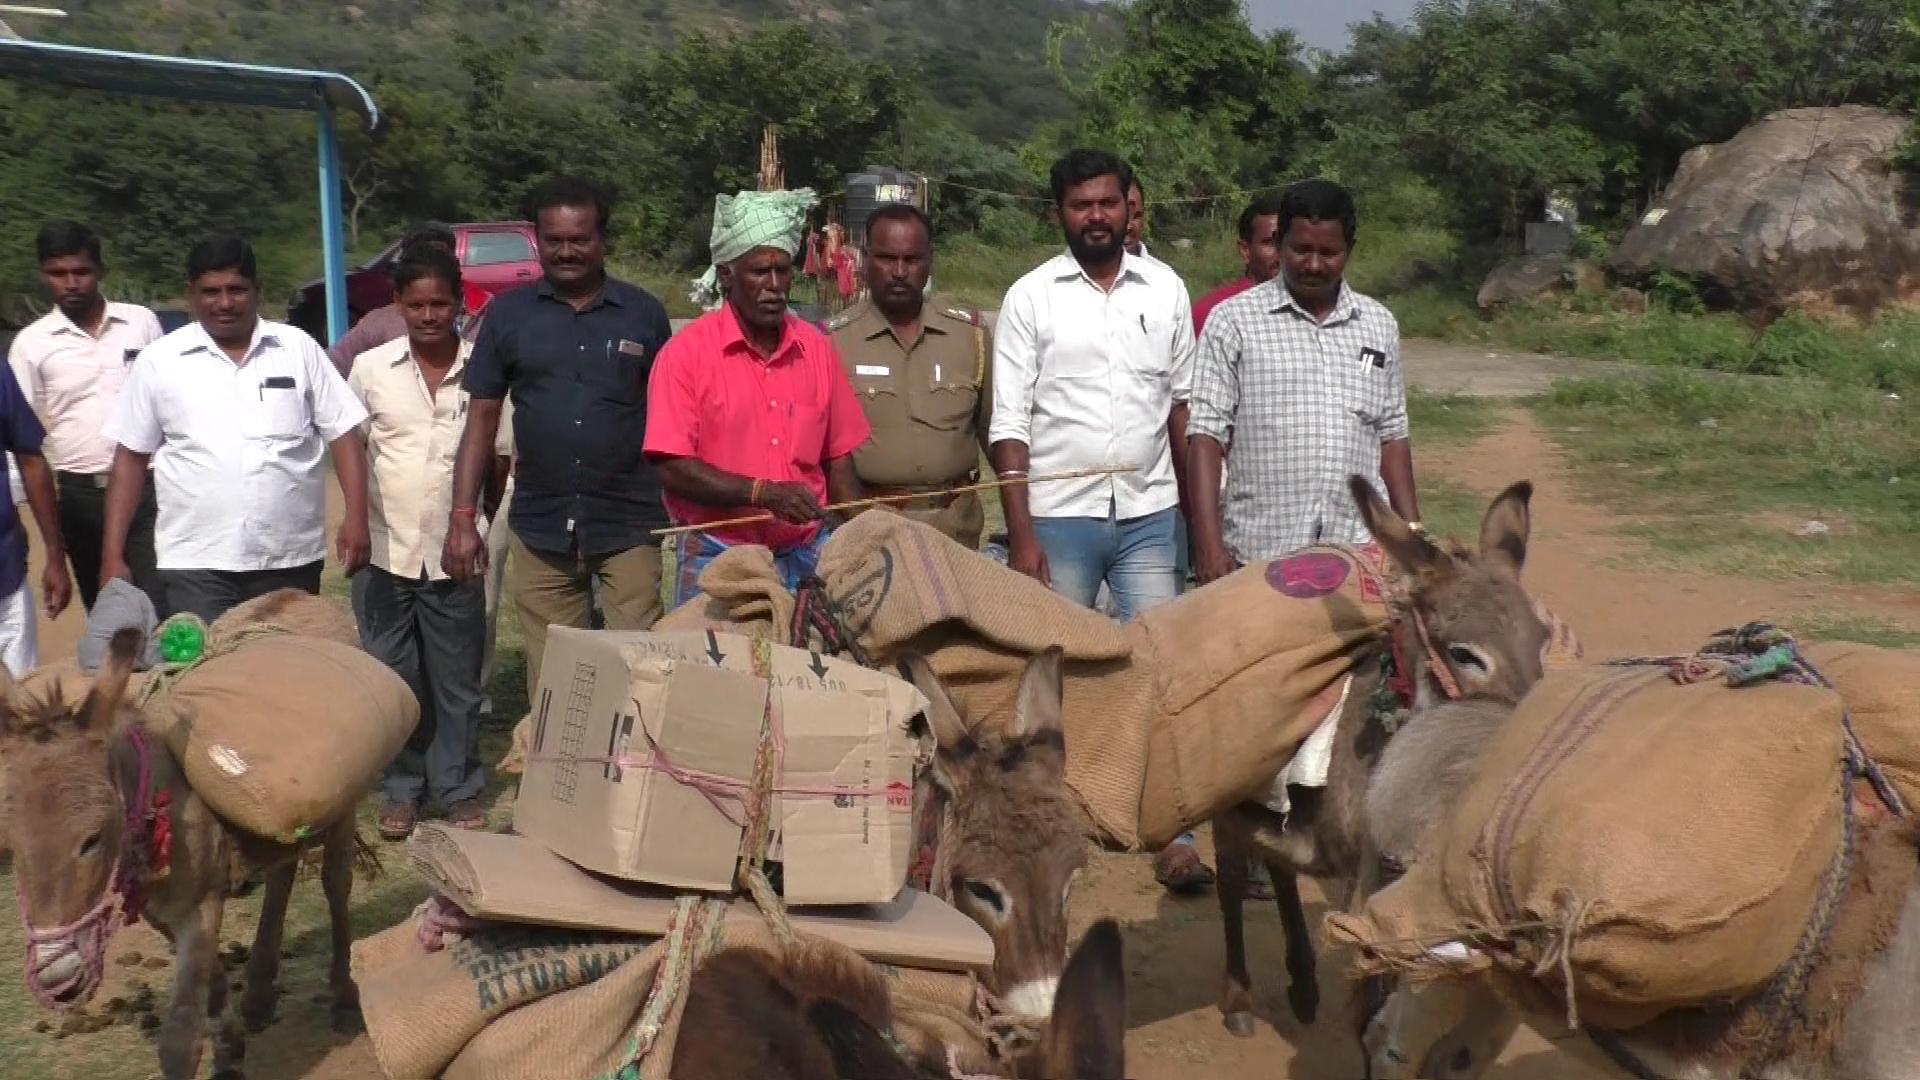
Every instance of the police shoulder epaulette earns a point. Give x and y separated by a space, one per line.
971 318
845 318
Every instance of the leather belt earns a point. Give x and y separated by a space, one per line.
80 479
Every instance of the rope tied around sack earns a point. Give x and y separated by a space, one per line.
185 645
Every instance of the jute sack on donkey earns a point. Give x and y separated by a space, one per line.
1169 719
1653 836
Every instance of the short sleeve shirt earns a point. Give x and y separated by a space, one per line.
72 378
239 450
578 384
714 398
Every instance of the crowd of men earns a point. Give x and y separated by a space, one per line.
562 424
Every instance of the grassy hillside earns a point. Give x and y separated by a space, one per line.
980 61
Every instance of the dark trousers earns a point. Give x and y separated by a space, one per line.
433 634
212 593
83 523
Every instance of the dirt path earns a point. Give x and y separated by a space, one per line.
1578 565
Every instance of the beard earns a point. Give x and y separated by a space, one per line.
1086 250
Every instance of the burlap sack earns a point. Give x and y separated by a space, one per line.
1191 708
1244 670
1882 690
530 1003
283 734
1675 838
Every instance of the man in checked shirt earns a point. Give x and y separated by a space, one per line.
1301 378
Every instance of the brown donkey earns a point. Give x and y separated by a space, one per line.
104 830
812 1013
1011 840
1467 614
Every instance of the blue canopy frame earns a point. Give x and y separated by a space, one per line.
187 79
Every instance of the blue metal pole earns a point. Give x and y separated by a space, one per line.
333 241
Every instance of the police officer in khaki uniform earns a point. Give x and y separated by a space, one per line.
922 373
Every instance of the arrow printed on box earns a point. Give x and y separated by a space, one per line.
819 667
713 649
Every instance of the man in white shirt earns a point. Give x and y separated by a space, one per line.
238 410
1092 364
70 364
427 627
1093 357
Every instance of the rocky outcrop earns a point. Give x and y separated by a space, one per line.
1533 278
1805 208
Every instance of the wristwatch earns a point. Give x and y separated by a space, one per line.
1417 527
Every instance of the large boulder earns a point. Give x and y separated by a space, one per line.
1802 209
1532 278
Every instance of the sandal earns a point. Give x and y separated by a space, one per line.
1179 869
467 814
397 820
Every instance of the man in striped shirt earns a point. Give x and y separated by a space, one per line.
1301 376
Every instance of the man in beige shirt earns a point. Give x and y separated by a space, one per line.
70 364
428 628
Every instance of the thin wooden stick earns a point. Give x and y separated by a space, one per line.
881 500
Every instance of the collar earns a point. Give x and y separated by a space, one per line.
1344 307
262 335
65 325
1064 266
609 293
405 356
873 324
734 339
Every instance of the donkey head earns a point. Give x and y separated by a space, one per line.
1015 843
1477 619
62 811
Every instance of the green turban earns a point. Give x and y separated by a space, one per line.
749 220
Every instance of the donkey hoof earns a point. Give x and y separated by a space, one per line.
257 1015
1304 997
1240 1024
347 1019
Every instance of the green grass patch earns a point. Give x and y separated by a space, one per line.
1450 510
1723 475
1844 626
1451 419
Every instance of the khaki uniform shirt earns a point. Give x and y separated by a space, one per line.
928 401
412 439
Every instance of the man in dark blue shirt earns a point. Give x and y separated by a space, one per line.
21 435
573 351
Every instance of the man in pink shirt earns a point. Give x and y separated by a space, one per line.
748 408
1259 253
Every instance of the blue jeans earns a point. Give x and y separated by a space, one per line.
696 550
1135 558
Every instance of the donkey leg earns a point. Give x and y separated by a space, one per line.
336 879
196 964
229 1038
1414 1020
1303 977
263 964
1230 883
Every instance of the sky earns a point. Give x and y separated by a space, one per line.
1322 23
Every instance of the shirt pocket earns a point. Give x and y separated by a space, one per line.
807 436
946 403
279 410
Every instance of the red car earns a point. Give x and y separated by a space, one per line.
494 256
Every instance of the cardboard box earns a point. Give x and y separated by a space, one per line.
643 750
515 879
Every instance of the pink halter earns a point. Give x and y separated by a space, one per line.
120 902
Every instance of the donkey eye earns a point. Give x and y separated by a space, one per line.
1466 656
90 845
989 895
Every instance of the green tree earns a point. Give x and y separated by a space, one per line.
701 109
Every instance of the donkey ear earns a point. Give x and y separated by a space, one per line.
1087 1036
941 720
1509 521
1408 549
101 711
1038 707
